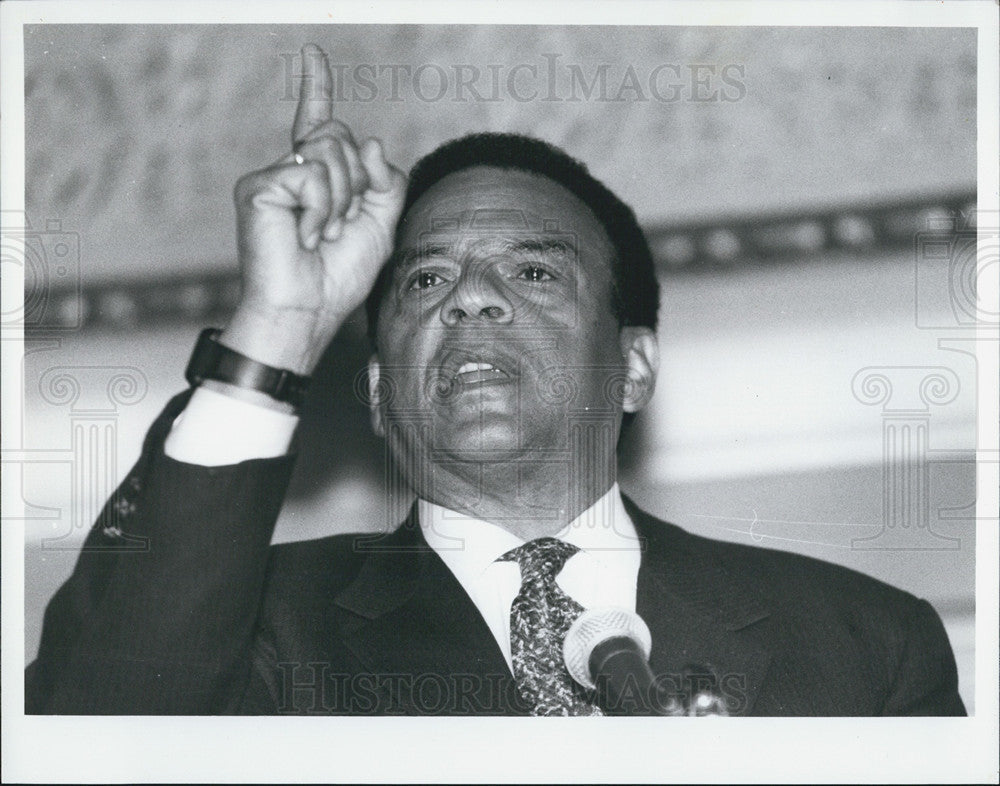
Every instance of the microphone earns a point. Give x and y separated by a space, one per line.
607 650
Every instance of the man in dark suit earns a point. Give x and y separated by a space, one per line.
512 305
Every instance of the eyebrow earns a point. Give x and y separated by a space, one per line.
402 259
406 257
545 245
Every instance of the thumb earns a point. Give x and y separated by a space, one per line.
387 192
382 175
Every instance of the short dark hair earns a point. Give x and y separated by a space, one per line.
635 291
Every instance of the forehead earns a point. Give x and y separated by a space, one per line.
489 202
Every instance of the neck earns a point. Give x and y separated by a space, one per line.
529 501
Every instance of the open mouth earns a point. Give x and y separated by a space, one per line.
471 373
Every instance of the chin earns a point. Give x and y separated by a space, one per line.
486 439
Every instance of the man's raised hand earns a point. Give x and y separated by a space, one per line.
314 229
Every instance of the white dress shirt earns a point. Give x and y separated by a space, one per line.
602 573
216 430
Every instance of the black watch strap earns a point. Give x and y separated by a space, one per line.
212 360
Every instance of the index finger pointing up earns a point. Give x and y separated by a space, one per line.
315 93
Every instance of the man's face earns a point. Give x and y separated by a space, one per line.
496 332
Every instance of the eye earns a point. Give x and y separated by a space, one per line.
535 273
424 279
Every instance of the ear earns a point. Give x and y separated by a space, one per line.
642 361
375 404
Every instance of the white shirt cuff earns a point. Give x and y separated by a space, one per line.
215 430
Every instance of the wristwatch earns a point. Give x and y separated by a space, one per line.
212 360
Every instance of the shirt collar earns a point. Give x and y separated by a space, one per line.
469 546
604 530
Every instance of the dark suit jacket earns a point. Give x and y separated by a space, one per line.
178 605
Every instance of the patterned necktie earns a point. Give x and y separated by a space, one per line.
539 618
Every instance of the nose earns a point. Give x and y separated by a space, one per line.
477 297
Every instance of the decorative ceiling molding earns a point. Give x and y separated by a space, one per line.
58 298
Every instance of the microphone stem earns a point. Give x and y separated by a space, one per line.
625 683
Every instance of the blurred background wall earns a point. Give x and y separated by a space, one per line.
809 195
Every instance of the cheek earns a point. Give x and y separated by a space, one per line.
405 351
402 331
415 312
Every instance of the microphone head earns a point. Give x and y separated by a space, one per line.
597 625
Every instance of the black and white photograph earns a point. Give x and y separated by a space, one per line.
377 379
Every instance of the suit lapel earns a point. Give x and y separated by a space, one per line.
416 627
698 615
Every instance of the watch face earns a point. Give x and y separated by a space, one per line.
204 358
212 360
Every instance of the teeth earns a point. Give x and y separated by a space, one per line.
467 367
